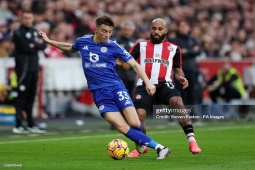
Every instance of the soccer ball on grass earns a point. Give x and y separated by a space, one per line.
117 149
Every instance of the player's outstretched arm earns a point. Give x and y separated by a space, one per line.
151 89
60 45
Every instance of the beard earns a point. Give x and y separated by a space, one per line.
157 40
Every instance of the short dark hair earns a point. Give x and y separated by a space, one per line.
26 12
106 20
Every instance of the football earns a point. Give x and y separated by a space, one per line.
118 149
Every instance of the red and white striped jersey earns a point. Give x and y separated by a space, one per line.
157 59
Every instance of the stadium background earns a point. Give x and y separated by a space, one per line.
224 29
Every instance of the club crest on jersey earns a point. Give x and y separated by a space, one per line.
101 107
138 96
103 49
28 35
157 55
22 87
35 33
170 48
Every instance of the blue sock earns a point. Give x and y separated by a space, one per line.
152 144
140 138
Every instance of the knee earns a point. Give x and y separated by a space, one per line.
123 129
176 101
141 114
135 124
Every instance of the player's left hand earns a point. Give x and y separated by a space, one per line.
184 82
122 65
151 89
119 61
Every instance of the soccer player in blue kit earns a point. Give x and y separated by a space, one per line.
99 58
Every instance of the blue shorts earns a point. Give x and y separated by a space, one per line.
112 99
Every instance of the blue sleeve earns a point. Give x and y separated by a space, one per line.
75 46
121 53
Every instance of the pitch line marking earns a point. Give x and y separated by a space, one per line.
116 135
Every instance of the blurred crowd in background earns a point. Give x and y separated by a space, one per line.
221 28
224 28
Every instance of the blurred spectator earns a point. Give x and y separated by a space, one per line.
237 50
224 28
13 6
5 12
85 25
6 45
53 52
210 47
250 45
226 84
126 40
3 92
84 104
27 44
214 23
190 50
3 27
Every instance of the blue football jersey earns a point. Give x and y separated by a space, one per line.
99 61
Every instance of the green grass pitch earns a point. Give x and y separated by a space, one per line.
224 146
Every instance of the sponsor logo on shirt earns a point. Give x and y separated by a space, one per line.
93 57
152 60
85 47
95 65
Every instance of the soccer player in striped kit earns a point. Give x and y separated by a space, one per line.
158 58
